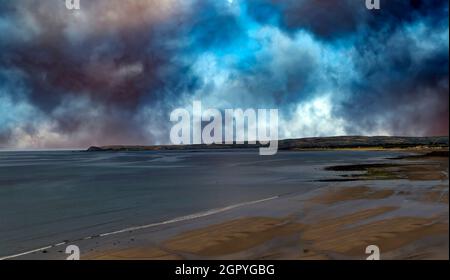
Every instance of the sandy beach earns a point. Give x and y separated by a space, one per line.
401 206
333 223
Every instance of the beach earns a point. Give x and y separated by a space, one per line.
298 205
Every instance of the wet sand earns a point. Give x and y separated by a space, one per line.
269 238
400 205
405 215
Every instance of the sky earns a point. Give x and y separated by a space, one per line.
111 72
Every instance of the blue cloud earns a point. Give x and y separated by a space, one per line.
366 72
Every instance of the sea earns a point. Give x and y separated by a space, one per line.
47 197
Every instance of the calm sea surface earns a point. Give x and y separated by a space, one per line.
49 197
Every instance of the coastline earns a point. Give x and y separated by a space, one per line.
403 216
306 144
332 223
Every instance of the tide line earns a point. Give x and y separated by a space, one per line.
129 229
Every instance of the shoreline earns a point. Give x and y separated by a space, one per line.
314 143
403 216
141 227
344 236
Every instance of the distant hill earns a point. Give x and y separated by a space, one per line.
340 142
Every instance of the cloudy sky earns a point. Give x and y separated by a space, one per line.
112 72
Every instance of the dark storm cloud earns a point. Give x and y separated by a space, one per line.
403 63
335 19
114 68
324 18
213 28
398 77
112 72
